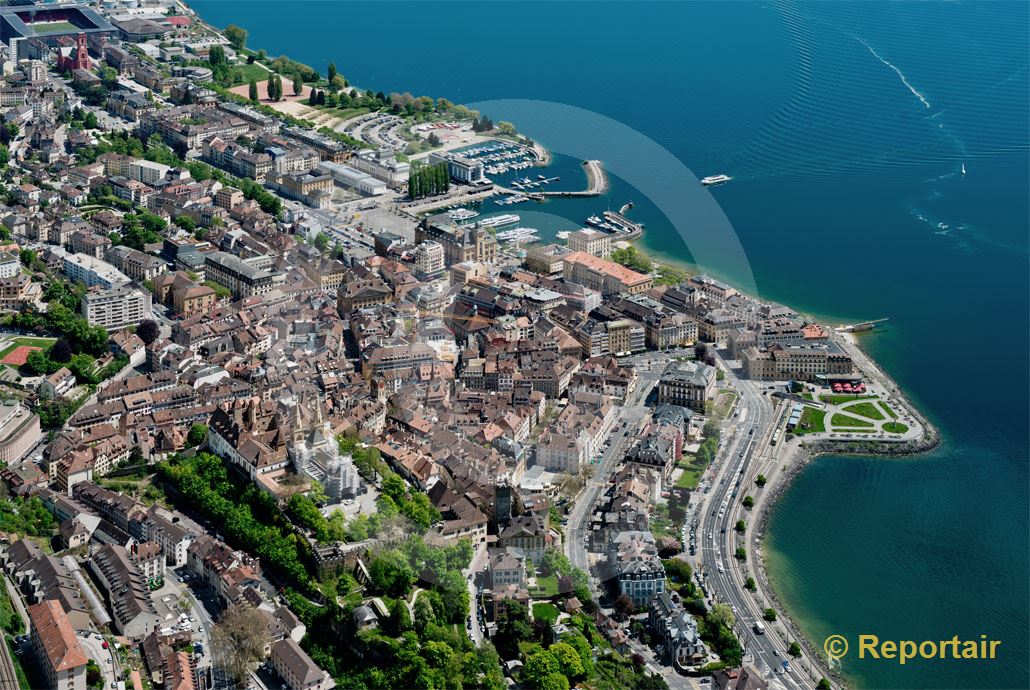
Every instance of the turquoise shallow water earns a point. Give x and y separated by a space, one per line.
845 126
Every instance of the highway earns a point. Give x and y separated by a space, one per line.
731 478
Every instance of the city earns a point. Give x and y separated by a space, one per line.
282 406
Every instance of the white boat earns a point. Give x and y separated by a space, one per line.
963 168
715 179
497 221
563 235
462 214
594 220
517 234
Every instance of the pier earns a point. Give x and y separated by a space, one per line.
597 183
627 229
860 327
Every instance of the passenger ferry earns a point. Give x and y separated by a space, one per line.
498 221
462 214
712 180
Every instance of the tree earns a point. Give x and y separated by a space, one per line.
749 502
148 331
760 480
740 526
237 36
196 436
823 684
794 650
749 584
186 223
94 676
216 55
298 84
769 615
741 554
61 350
539 666
253 90
90 121
722 615
569 662
240 634
623 607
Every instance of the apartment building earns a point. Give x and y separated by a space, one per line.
117 308
243 279
61 659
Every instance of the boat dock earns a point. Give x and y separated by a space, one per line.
625 228
861 327
597 183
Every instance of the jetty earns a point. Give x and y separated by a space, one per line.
861 327
597 183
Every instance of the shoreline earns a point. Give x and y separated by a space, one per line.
798 458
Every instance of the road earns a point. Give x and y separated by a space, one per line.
474 572
649 369
200 598
732 478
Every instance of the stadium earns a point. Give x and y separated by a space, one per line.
51 24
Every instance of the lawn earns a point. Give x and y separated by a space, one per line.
260 74
887 408
45 28
25 341
812 421
545 586
545 612
895 428
692 471
845 420
840 399
865 409
723 405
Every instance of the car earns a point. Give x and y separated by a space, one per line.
104 644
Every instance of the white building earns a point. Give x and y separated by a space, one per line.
382 165
147 172
346 176
429 259
116 308
89 270
10 265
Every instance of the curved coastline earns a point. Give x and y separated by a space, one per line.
797 461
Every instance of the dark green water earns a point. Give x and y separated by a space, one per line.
845 126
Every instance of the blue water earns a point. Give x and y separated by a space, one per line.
845 126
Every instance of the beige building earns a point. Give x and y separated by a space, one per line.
297 669
593 242
607 277
61 659
799 362
460 243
